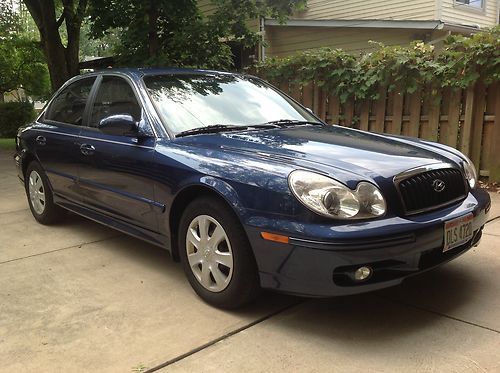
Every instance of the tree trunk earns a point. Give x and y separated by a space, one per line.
153 41
62 62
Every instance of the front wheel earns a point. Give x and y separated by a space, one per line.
39 195
216 255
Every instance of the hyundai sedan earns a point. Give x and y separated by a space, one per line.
244 186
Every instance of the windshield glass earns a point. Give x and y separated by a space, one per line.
189 101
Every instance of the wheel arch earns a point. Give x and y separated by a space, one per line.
27 158
206 187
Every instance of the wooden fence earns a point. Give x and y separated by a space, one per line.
466 119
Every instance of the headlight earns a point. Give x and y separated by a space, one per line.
333 199
470 172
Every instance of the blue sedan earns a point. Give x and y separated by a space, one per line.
246 187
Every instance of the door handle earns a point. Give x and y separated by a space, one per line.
40 140
87 149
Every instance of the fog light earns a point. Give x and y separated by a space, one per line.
362 273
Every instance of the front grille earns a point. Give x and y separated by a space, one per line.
418 193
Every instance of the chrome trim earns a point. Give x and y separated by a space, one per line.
90 138
421 169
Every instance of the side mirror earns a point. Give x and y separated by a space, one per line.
119 124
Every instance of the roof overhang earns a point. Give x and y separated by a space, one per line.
375 23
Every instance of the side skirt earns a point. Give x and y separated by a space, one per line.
140 233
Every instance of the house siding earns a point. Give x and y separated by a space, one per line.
460 14
284 40
206 7
363 9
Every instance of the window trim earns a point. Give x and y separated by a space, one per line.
470 8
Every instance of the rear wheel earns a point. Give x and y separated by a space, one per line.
39 195
216 255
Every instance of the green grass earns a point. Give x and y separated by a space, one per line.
7 144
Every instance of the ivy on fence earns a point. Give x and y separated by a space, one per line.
461 62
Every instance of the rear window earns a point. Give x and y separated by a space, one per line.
68 106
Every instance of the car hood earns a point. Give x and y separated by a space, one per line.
330 149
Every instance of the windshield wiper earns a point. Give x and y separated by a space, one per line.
292 122
214 128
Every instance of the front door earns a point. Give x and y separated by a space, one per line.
115 171
57 134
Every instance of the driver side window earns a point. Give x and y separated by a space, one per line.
115 96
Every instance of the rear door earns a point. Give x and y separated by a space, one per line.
116 171
56 137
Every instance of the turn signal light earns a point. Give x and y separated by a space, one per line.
274 237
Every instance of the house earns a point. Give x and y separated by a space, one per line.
351 24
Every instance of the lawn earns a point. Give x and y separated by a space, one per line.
7 144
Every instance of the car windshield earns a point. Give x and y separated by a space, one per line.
190 101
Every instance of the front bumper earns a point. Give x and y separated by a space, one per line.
319 260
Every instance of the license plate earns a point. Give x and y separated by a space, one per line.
457 232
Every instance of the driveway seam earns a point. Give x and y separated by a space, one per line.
491 234
12 211
61 249
492 220
440 314
223 337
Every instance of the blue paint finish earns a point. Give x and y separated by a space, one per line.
130 183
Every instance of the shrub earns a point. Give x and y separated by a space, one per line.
13 115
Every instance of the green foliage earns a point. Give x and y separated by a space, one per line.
13 115
461 62
466 60
22 63
169 32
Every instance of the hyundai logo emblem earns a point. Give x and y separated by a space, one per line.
438 185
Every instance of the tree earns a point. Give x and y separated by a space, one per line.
62 60
22 64
171 32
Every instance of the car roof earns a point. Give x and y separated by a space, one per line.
144 71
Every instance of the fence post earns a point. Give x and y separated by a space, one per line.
478 124
379 108
364 115
334 109
397 111
431 132
494 163
415 107
467 125
451 135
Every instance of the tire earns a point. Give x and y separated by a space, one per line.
39 195
232 280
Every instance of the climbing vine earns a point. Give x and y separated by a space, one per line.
460 62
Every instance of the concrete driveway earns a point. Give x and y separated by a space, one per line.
80 297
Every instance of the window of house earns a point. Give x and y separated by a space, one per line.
477 4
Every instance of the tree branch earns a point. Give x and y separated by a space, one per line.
60 20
